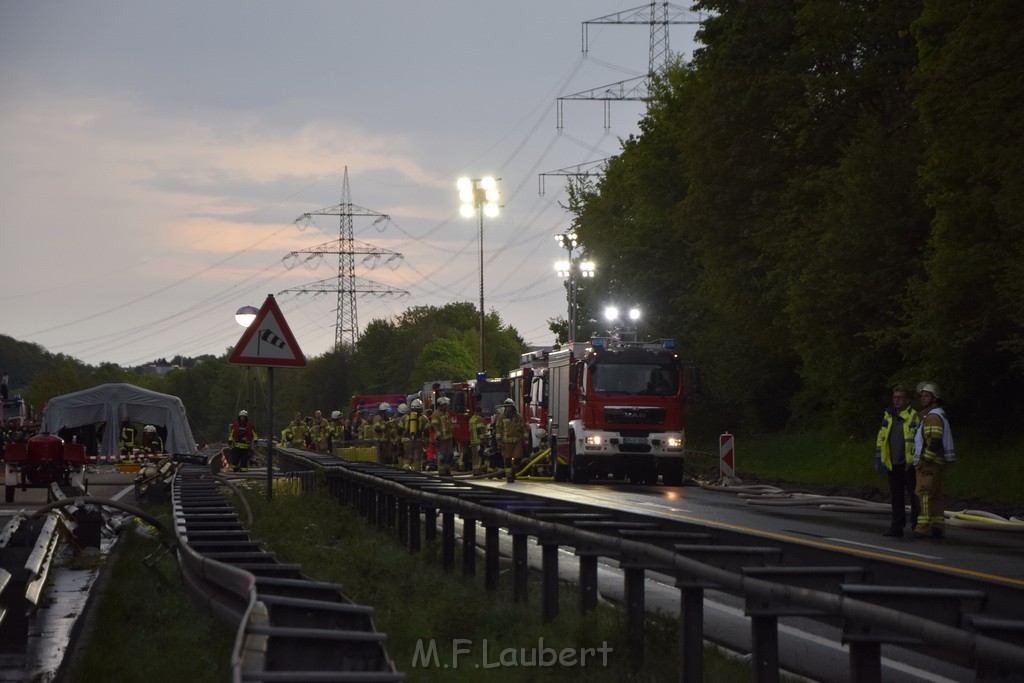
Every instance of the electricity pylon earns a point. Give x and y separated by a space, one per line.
345 284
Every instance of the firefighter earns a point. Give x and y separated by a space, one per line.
382 432
241 438
296 434
395 429
319 432
477 441
151 441
127 438
444 428
933 451
335 431
510 430
358 424
413 428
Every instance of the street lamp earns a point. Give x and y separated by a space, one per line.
569 269
611 314
245 315
480 196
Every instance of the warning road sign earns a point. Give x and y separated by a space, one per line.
268 341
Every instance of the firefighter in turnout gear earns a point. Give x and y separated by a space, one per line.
381 429
336 431
414 428
241 439
511 431
151 441
477 442
933 452
127 438
319 432
444 430
296 434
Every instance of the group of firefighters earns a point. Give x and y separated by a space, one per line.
130 445
407 437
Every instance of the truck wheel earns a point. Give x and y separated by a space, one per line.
673 475
576 473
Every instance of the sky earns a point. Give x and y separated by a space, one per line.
156 157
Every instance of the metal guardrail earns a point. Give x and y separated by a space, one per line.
390 497
23 575
290 627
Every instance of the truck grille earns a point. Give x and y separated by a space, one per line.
634 415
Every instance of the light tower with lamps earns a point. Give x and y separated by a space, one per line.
570 269
611 314
480 196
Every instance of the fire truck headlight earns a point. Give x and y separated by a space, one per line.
593 440
674 442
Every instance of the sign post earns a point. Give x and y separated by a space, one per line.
268 341
726 456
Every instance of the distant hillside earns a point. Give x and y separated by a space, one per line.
22 361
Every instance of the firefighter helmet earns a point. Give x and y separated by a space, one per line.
385 406
149 429
508 402
335 414
402 409
931 387
243 413
443 401
416 404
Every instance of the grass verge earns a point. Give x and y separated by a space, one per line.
416 603
146 627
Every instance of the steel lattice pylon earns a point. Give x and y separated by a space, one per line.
346 285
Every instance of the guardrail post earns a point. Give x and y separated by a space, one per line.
430 523
549 564
765 648
414 526
588 579
691 633
633 582
384 502
866 662
468 546
520 566
447 540
492 556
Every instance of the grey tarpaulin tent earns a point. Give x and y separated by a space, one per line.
111 402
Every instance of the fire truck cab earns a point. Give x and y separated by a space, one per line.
616 408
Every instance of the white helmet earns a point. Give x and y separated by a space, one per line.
335 414
416 404
508 402
384 406
402 409
931 387
243 413
444 401
149 429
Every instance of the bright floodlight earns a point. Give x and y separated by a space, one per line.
466 210
490 210
489 183
562 268
634 314
464 185
611 313
587 268
245 315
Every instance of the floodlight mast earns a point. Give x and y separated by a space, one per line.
480 196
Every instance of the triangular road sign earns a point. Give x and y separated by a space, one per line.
268 341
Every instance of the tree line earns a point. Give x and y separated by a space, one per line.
824 203
423 344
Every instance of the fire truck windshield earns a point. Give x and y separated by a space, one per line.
634 378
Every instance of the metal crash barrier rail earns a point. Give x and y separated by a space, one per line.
390 497
290 627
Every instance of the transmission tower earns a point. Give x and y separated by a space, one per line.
659 16
346 285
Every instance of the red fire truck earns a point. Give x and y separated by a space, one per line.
466 396
616 408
